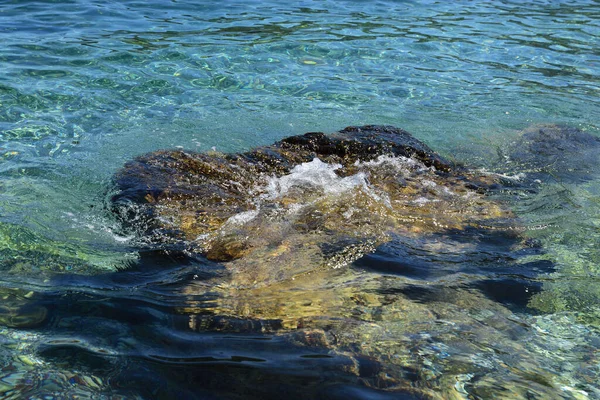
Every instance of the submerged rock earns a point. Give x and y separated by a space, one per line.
425 307
550 152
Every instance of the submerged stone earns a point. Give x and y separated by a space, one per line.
550 152
427 312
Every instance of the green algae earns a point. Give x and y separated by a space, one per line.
26 253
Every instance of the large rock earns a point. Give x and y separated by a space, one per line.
327 199
426 307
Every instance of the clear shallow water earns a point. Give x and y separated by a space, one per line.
85 87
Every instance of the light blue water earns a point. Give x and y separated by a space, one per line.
86 86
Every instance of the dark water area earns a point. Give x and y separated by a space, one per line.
489 291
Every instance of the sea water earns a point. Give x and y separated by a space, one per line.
86 86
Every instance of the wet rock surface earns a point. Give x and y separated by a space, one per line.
326 199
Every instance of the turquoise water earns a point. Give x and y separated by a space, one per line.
86 86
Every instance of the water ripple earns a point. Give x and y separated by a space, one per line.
85 86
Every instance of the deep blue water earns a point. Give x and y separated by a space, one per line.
86 86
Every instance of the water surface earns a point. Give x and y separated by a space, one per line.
87 86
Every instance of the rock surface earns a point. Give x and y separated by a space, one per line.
425 307
327 199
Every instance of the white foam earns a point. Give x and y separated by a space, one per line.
315 175
401 164
517 177
97 225
242 218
